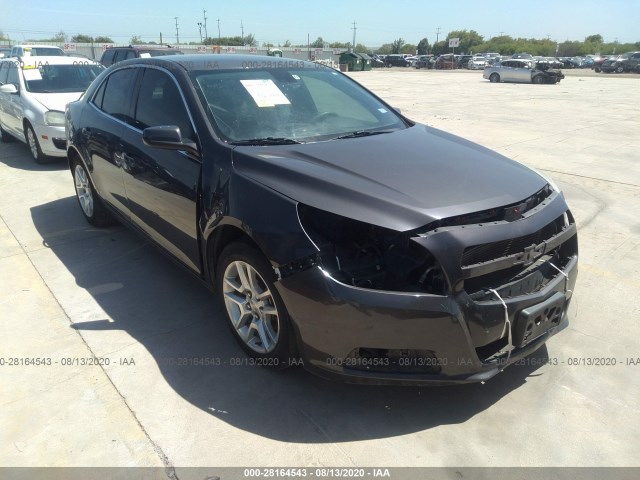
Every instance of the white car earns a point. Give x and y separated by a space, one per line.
36 51
33 95
477 63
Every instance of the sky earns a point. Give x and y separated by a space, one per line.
377 21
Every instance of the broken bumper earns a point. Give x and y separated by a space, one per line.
366 336
510 285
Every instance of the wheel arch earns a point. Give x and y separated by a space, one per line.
220 238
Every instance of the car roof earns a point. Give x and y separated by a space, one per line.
144 47
220 61
51 60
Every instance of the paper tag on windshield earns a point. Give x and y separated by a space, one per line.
33 74
145 55
265 93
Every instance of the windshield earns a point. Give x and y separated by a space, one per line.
43 52
160 53
298 104
60 78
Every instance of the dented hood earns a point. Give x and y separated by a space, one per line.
401 180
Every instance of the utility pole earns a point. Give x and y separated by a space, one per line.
200 29
177 35
353 45
242 30
218 30
204 14
437 34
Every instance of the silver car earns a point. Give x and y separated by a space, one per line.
521 71
33 94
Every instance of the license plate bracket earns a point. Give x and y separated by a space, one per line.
535 320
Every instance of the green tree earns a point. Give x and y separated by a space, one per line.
423 47
396 45
250 40
597 38
385 49
103 39
360 48
408 48
59 37
286 43
81 38
136 40
468 40
341 45
317 43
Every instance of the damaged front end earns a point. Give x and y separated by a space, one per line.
454 301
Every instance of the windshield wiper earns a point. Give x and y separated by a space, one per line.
362 133
267 141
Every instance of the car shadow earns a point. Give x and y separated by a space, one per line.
180 323
16 154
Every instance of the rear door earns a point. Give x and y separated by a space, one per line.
162 185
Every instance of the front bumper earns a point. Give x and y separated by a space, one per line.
371 336
52 140
333 319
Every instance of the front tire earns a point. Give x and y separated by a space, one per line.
90 202
6 137
34 145
538 80
255 312
620 69
494 78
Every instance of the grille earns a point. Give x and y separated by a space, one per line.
60 143
494 250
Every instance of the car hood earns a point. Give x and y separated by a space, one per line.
401 180
55 101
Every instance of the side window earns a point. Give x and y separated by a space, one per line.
107 58
117 94
160 103
99 95
4 71
13 76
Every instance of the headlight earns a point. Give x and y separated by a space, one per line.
54 118
369 256
553 184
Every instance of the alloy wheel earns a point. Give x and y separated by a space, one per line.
251 307
83 190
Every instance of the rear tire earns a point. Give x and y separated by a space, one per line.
620 69
255 312
494 78
91 204
538 80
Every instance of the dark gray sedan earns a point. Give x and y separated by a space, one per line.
338 233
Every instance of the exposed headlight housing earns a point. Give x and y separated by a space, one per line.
368 256
553 184
54 118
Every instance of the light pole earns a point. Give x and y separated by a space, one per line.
200 29
218 30
204 14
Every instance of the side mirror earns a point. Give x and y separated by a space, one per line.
168 137
8 88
